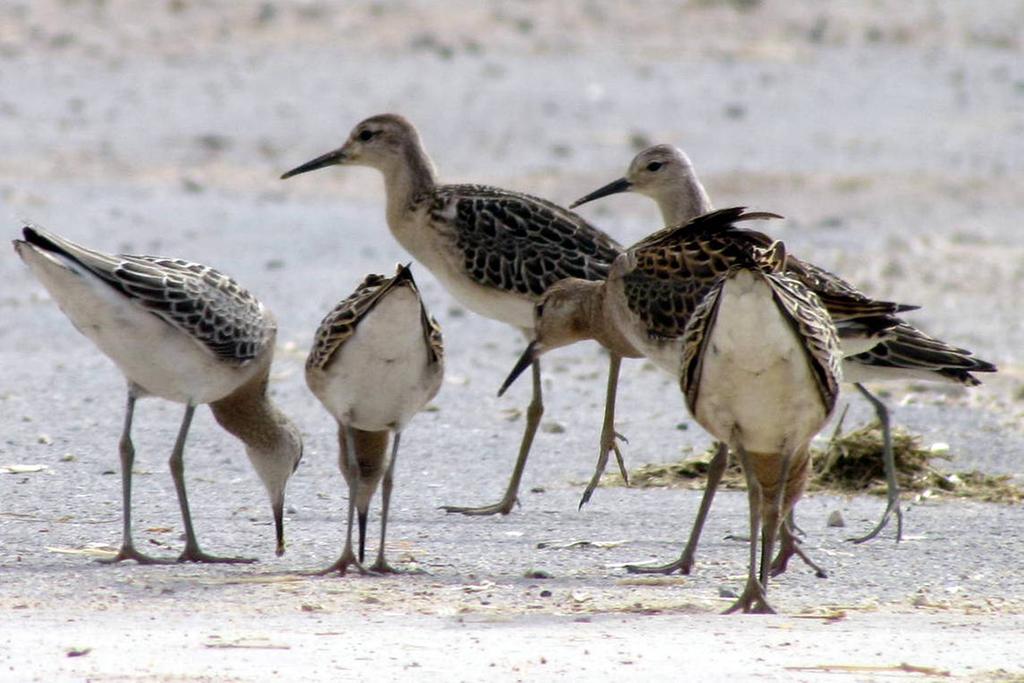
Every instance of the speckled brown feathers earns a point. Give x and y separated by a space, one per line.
519 243
672 269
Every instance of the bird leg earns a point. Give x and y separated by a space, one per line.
773 519
348 557
789 545
753 598
127 453
533 415
192 552
889 458
716 468
381 566
608 433
361 519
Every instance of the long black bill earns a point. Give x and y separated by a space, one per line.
525 360
614 187
279 526
332 158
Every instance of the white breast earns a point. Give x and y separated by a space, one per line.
380 378
756 383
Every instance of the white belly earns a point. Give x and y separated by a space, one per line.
159 358
757 387
380 378
508 307
851 345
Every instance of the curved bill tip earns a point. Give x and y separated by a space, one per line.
614 187
332 158
525 360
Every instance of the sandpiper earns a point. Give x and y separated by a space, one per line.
495 251
875 348
760 372
183 332
376 360
645 305
757 353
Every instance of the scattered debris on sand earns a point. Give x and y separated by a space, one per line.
851 463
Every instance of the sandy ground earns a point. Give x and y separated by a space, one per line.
891 135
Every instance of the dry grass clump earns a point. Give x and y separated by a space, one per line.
850 463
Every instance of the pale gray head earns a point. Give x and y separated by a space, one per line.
384 142
563 316
275 459
665 174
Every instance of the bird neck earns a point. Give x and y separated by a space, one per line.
410 174
250 415
602 325
684 203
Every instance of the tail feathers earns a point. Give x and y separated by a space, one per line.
41 239
94 261
910 349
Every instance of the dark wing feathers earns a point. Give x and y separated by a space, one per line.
200 301
520 243
812 323
197 299
673 269
675 266
695 340
340 324
909 348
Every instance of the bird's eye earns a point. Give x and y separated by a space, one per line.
366 135
654 166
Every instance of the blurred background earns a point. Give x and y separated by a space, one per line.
889 133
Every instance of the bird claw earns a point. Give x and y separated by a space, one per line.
892 508
607 446
381 567
128 552
752 601
194 554
500 508
683 565
347 559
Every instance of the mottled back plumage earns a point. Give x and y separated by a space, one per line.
200 301
520 243
669 272
672 270
340 324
